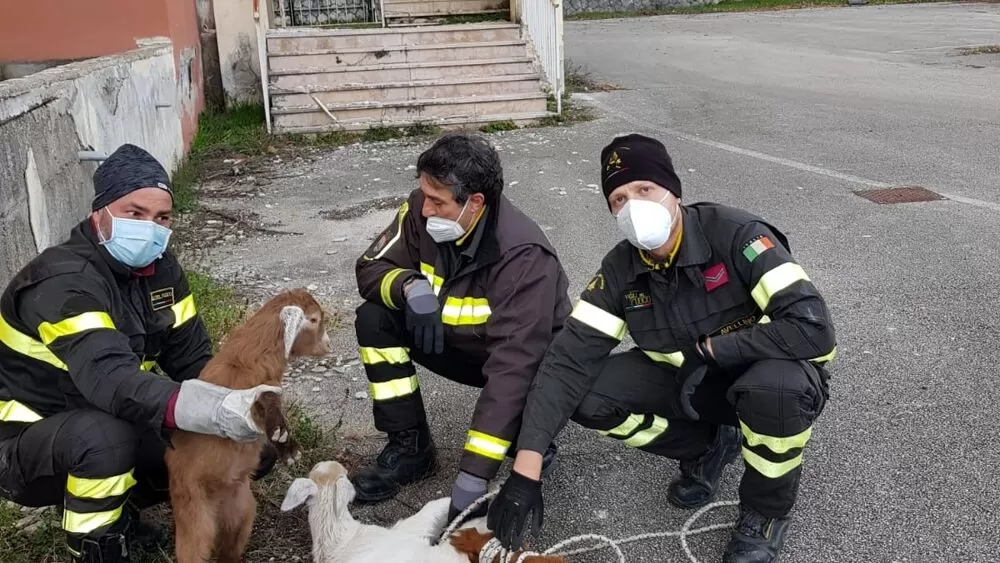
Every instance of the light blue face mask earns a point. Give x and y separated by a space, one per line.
136 243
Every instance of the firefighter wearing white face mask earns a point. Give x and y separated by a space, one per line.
732 339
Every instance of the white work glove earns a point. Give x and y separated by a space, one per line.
206 408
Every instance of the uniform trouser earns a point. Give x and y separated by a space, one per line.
387 353
90 463
773 402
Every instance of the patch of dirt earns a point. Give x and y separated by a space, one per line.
363 208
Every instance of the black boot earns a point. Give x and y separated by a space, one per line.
756 539
407 458
699 480
109 548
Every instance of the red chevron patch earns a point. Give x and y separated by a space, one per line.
715 276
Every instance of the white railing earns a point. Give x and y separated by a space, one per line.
542 23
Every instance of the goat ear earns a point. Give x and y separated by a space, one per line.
294 318
345 494
299 492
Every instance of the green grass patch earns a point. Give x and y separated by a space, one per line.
498 126
219 306
732 6
980 50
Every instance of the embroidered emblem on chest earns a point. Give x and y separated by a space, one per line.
162 298
636 300
715 276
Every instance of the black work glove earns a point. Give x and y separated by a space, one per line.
692 373
519 499
423 318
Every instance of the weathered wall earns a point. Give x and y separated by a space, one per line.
48 117
236 36
626 6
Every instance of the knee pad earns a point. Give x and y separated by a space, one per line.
371 319
100 444
598 413
779 397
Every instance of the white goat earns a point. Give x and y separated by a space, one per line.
338 538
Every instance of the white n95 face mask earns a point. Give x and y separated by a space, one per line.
446 230
646 224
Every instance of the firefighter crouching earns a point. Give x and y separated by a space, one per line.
466 285
82 419
731 342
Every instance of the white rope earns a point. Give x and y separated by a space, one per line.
493 548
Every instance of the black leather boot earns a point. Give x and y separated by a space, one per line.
109 548
699 480
407 458
756 539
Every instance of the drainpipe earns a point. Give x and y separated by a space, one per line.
262 59
556 5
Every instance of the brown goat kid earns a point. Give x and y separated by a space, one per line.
214 507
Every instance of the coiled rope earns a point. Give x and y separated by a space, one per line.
493 549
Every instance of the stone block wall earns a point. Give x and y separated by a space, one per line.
572 7
47 118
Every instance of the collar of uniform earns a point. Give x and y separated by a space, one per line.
484 247
88 230
475 234
694 247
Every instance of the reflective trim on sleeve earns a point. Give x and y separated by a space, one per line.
86 522
27 346
394 355
49 332
599 319
465 311
385 289
184 311
82 487
393 389
775 280
13 411
675 359
486 445
436 281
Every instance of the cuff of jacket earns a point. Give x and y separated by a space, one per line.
726 351
392 287
168 418
533 441
478 465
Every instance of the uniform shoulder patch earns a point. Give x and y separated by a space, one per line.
161 298
757 246
596 283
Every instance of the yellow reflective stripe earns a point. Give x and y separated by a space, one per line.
28 346
13 411
826 357
675 359
436 281
778 445
84 523
486 445
771 469
403 210
764 320
49 332
775 280
184 311
625 428
82 487
465 311
646 436
393 389
394 355
148 365
386 288
598 319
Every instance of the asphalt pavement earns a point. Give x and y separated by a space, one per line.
786 114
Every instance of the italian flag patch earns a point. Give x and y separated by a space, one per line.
757 247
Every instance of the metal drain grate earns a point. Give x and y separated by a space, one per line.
902 194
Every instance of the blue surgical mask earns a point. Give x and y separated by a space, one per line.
136 243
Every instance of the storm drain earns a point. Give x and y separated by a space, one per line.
902 194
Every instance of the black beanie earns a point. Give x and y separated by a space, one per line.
128 169
637 157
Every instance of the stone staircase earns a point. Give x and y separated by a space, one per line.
429 12
325 80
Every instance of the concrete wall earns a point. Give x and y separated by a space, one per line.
626 6
47 117
236 37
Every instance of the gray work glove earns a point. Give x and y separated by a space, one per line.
466 490
423 318
206 408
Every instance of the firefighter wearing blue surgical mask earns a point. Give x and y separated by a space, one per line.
83 420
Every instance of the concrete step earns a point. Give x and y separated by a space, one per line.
451 7
519 118
411 110
402 91
402 72
280 41
337 59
